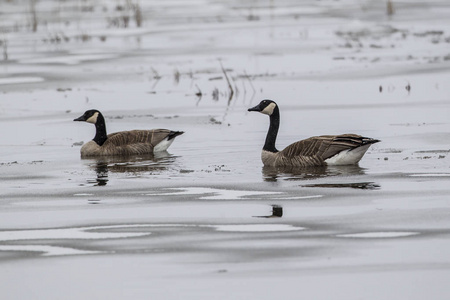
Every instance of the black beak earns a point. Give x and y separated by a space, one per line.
80 118
256 108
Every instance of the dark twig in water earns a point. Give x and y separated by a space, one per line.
390 8
34 21
250 81
245 90
191 76
137 14
408 87
229 83
176 76
215 94
199 94
251 85
156 76
277 212
4 44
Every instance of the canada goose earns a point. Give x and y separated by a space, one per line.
345 149
125 142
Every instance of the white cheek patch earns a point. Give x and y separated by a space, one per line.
269 109
93 119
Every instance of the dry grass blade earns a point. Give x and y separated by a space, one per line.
390 8
228 81
34 22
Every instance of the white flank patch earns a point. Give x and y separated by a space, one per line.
347 157
163 145
16 80
378 235
219 193
257 228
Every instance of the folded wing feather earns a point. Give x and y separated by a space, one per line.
325 146
134 141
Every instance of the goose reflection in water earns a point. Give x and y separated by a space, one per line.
149 163
272 174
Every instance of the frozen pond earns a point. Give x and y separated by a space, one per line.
206 220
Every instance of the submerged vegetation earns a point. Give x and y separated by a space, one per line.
42 16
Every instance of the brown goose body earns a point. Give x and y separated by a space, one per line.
134 142
124 143
344 149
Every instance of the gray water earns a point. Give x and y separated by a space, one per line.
205 220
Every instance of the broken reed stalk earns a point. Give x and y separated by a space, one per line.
5 50
4 44
390 8
250 81
135 8
34 22
176 76
199 93
138 15
228 81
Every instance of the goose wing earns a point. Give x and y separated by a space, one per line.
127 138
325 146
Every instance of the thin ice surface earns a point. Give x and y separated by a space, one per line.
207 214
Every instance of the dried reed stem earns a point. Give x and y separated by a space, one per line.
34 21
390 8
228 81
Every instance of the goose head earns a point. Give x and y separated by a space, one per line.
89 116
265 107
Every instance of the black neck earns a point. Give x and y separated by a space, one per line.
100 133
273 131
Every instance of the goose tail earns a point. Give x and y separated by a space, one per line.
174 134
369 141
